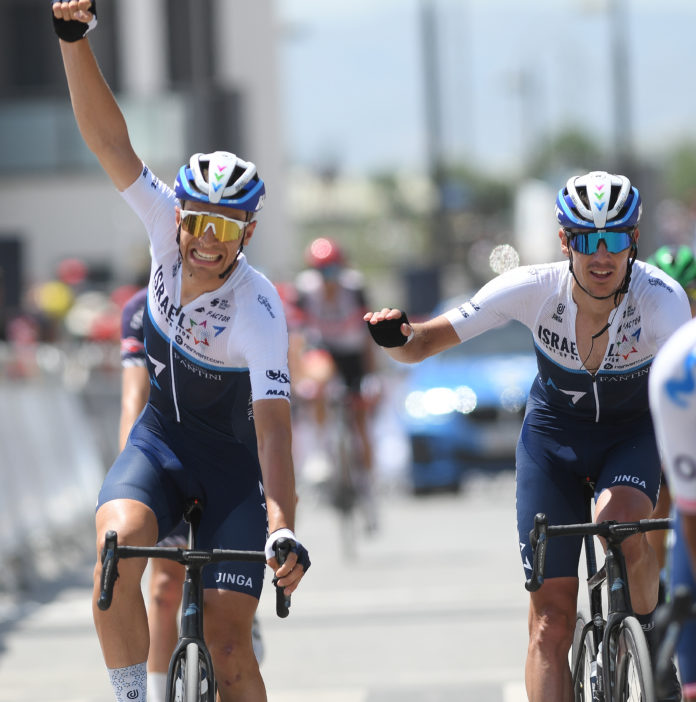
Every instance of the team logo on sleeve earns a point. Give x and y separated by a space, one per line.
266 303
278 376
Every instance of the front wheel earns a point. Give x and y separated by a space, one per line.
582 656
191 678
632 676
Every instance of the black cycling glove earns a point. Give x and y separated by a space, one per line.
74 30
388 332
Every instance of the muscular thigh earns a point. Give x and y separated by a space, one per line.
631 459
234 517
548 487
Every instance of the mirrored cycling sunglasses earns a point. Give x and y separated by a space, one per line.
224 228
588 242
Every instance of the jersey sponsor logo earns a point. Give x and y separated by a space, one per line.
198 370
554 341
234 579
266 303
278 376
220 302
660 283
623 376
218 316
277 393
194 331
526 564
575 395
162 301
558 314
678 388
624 347
200 333
158 365
629 479
463 311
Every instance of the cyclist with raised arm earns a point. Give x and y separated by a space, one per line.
597 322
217 422
332 302
679 263
673 404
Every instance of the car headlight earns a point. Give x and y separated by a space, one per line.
440 401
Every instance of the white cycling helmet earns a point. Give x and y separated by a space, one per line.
221 178
598 200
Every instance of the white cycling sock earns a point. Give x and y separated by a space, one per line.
129 683
156 687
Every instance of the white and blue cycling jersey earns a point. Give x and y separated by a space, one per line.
541 298
209 359
580 428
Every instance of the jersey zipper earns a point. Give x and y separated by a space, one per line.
596 397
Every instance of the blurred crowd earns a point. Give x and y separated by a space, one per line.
66 326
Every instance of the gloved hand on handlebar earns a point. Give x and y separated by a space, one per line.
287 574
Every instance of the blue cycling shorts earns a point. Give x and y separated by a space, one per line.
557 458
681 574
163 466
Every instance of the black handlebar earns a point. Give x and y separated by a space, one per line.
282 549
614 532
112 552
109 571
538 538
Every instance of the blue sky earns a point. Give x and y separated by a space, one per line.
353 81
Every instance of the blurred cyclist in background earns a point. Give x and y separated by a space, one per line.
331 301
673 405
679 263
166 577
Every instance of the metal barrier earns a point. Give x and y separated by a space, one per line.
50 473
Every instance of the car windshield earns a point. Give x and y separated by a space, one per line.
511 338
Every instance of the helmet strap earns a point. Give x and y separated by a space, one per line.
229 268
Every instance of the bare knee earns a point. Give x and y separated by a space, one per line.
165 586
552 616
551 630
136 525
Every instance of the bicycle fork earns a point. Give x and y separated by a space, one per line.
191 630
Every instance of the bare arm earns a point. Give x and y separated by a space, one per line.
274 438
98 116
429 338
135 389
